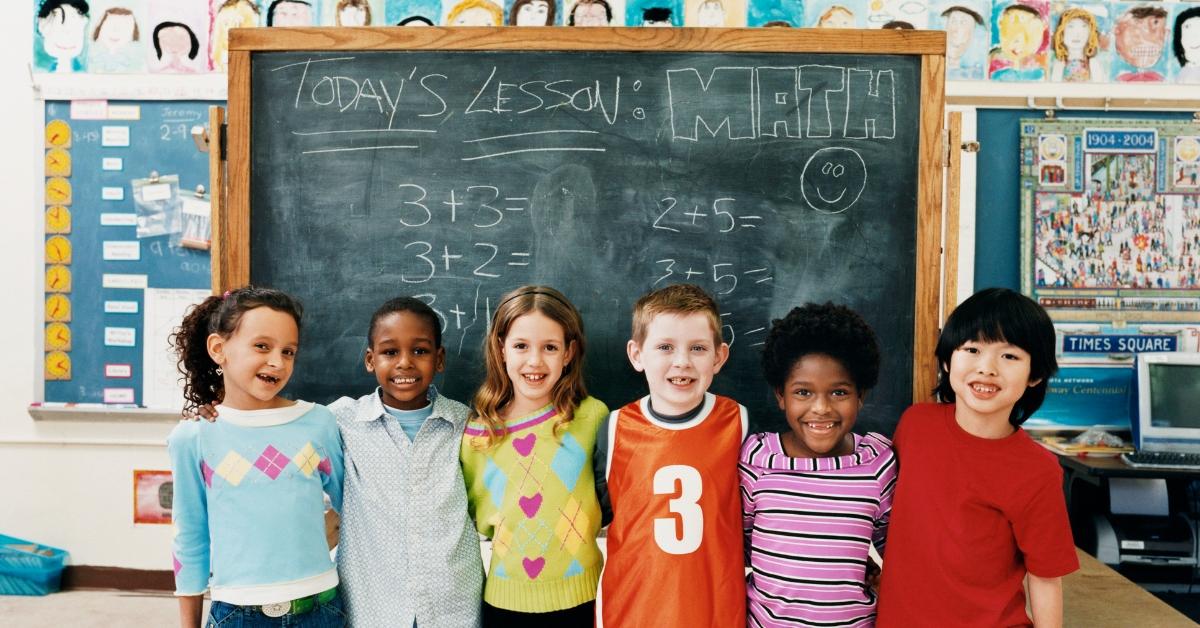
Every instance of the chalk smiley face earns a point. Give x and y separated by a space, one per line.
833 179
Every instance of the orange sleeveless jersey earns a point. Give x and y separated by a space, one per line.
675 543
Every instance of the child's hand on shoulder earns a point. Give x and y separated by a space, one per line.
208 412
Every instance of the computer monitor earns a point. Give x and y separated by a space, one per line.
1168 402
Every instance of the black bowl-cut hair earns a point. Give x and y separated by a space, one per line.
1001 315
833 330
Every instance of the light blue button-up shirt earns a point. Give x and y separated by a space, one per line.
408 550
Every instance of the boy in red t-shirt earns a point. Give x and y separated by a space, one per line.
979 505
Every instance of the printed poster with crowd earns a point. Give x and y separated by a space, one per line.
1111 219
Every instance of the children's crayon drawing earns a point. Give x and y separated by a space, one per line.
835 14
967 37
178 37
715 13
117 37
61 35
903 14
353 13
654 13
532 12
1140 41
1113 222
228 15
1185 45
775 13
413 12
595 13
1020 40
1079 44
297 13
473 13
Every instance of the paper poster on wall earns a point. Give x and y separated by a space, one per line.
714 13
1185 49
769 13
60 38
118 35
352 12
654 13
164 310
472 13
1111 219
1020 40
153 496
414 13
1140 32
178 34
835 13
226 15
1079 51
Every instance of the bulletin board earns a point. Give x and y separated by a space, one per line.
110 295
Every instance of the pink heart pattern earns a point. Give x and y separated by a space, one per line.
524 445
530 505
533 567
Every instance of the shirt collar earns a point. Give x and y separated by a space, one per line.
374 410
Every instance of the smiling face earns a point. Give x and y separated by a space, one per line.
175 41
535 352
821 402
257 358
1140 41
117 30
1189 39
960 27
63 32
988 379
533 13
404 358
1021 33
833 179
679 356
1075 36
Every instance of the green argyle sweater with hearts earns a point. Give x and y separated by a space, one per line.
534 496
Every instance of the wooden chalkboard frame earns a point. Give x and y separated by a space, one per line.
231 224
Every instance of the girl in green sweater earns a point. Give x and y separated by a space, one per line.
527 461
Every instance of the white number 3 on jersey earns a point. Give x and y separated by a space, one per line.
685 537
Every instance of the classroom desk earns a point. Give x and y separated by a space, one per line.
1096 596
1094 470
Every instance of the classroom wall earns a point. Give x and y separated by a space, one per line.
66 484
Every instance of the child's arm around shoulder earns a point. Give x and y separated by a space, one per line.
331 474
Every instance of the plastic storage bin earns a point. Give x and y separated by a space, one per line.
28 568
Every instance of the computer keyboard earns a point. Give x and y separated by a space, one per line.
1162 460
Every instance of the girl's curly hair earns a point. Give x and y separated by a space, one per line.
833 330
202 385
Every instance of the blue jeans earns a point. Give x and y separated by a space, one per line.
223 615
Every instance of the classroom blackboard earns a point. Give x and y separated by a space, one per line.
768 178
111 145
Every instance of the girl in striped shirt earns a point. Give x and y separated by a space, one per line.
815 497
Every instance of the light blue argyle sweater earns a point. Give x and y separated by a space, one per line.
249 504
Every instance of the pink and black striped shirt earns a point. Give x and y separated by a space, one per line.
809 523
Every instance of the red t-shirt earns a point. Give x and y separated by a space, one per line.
971 516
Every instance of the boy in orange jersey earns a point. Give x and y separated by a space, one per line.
666 475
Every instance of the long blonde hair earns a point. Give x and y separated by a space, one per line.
497 390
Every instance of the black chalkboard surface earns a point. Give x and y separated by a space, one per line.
768 179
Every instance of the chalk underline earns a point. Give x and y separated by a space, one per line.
343 150
364 131
534 150
500 137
